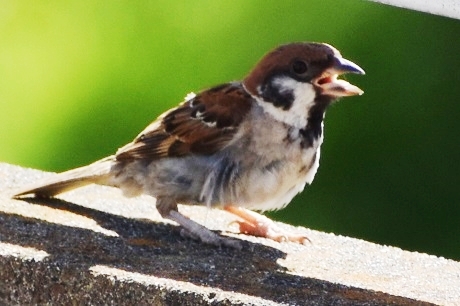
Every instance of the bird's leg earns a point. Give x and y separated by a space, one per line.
191 229
256 224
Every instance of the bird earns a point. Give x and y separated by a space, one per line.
245 146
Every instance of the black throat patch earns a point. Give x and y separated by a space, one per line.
313 130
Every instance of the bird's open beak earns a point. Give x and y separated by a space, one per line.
328 83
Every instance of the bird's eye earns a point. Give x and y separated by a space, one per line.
299 67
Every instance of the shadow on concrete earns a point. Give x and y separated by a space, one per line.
157 249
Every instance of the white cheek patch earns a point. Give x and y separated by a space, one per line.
297 114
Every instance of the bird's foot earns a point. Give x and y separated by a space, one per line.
256 224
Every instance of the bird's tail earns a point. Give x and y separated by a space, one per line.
95 173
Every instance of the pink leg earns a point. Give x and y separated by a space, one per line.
256 224
196 231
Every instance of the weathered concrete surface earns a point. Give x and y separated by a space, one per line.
93 246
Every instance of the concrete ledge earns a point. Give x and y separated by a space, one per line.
93 246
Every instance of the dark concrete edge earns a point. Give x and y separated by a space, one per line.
41 282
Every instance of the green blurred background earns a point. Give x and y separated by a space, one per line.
78 79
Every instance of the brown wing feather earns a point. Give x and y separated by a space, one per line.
202 125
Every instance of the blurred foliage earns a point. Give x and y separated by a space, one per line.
79 79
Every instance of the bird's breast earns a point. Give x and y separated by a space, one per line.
271 167
275 185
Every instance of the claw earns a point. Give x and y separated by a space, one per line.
258 225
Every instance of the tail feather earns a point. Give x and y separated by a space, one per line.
95 173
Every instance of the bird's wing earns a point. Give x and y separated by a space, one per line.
202 125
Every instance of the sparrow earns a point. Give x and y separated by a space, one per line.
240 146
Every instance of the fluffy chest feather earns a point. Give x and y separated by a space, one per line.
286 165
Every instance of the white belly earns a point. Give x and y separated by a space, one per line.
272 191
